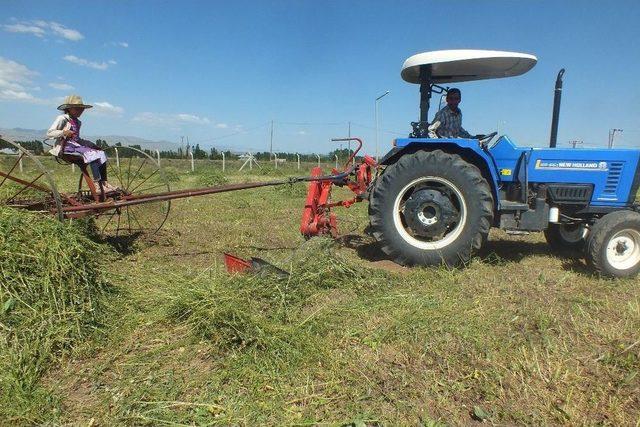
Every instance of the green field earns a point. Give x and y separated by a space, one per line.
519 336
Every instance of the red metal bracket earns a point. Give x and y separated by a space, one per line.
317 218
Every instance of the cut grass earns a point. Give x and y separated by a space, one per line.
51 292
518 337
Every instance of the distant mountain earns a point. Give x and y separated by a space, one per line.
19 134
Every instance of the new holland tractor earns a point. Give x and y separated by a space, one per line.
435 199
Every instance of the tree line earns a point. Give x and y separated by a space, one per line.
38 148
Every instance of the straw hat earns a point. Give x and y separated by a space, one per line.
73 101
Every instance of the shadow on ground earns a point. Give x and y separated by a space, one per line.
123 245
494 252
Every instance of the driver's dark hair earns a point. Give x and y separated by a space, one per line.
453 90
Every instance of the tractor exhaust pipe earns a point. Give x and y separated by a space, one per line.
556 110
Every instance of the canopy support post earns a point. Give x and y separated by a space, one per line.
420 128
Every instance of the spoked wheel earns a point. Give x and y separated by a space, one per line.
431 208
25 183
136 174
613 246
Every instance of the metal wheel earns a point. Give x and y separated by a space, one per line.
25 183
429 213
567 239
135 173
623 249
613 246
430 208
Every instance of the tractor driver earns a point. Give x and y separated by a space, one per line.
447 122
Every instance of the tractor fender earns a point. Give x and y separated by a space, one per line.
474 155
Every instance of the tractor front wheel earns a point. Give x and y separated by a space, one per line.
566 238
613 245
431 208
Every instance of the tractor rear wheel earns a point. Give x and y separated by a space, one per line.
613 245
566 238
431 208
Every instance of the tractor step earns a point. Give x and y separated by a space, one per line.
509 206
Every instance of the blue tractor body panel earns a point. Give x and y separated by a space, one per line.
614 174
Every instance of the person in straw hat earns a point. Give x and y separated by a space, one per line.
66 130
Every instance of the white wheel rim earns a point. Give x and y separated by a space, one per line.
623 249
573 235
449 237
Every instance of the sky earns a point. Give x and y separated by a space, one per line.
220 72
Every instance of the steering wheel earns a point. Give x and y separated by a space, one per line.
485 139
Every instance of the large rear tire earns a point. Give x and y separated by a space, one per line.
431 208
613 245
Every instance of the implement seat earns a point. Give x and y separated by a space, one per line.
97 192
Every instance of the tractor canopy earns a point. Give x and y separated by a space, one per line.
461 65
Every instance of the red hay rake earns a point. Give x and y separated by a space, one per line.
144 201
317 218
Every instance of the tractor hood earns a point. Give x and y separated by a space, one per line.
449 66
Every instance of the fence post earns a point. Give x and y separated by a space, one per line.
193 166
275 160
223 161
336 156
117 157
298 155
318 156
158 153
20 163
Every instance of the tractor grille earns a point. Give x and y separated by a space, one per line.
613 179
570 193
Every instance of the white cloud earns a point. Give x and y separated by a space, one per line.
112 62
61 86
106 109
64 32
86 63
22 96
24 28
222 125
190 118
169 120
302 132
118 44
14 75
15 84
40 28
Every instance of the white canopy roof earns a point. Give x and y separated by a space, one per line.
449 66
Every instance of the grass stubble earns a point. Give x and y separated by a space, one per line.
517 337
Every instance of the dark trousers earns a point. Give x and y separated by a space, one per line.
98 170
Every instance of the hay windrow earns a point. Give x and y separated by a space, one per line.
52 288
264 311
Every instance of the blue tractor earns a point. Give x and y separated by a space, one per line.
436 199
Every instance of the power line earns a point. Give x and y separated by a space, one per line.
383 130
232 134
312 123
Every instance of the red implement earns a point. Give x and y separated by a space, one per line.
235 264
317 218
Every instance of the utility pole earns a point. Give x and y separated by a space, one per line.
349 142
612 135
181 144
576 142
376 111
271 144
